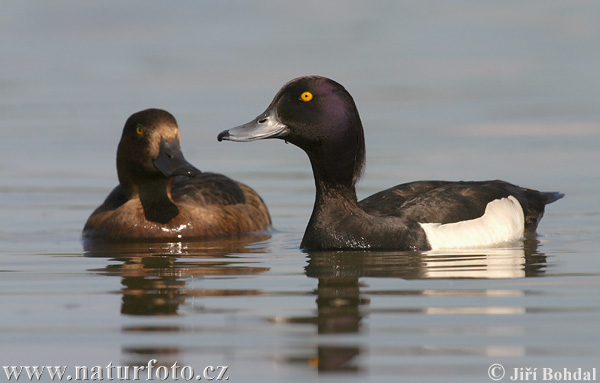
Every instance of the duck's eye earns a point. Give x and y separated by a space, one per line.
306 96
139 130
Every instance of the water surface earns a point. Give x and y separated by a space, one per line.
446 90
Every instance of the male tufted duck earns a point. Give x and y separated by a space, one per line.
318 115
162 196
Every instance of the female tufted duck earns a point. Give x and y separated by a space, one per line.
162 196
319 116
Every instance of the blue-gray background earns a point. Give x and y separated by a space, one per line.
446 89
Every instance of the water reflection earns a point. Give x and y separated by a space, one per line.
154 276
519 261
341 306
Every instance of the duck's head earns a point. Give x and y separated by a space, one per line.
150 149
318 115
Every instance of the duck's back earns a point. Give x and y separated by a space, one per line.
210 205
220 205
449 202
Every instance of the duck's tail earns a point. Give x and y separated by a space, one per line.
552 196
535 206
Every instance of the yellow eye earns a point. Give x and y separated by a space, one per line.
139 130
306 96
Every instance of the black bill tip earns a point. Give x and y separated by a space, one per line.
223 135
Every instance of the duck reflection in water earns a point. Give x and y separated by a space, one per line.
154 283
154 279
154 274
342 302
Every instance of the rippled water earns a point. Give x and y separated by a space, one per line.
446 90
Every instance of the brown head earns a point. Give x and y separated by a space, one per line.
150 151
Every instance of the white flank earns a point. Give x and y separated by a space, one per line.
503 221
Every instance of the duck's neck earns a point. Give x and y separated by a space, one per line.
330 193
334 165
333 180
335 203
155 196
